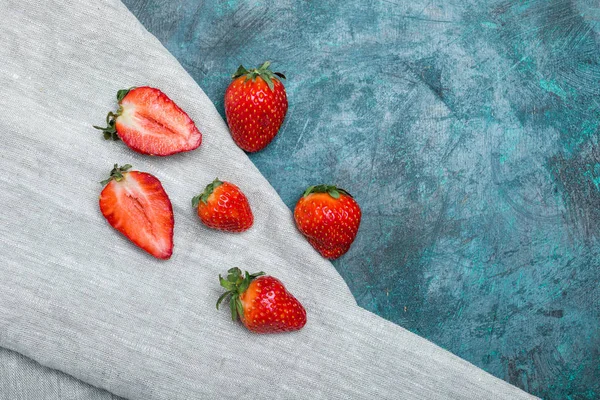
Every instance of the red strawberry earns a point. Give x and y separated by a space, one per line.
261 302
255 106
223 206
151 123
329 217
136 205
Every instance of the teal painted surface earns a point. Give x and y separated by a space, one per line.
468 131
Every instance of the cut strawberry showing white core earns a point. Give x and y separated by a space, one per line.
149 122
135 204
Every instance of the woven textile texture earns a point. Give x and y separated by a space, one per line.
77 297
24 379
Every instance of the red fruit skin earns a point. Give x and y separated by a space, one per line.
227 209
270 308
329 224
139 208
151 123
254 112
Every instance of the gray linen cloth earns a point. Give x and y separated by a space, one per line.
77 297
23 379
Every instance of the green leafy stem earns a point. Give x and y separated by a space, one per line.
203 197
117 173
110 130
263 71
332 190
236 284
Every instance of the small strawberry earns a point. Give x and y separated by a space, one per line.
255 106
261 302
136 205
329 218
151 123
223 206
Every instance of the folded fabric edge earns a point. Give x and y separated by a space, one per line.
22 377
384 323
340 283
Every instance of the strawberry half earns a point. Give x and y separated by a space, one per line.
261 302
255 106
151 123
223 206
329 218
135 204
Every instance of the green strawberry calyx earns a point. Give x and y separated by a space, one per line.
263 71
236 284
203 197
332 190
110 130
117 173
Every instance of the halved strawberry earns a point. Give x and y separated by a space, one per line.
136 205
151 123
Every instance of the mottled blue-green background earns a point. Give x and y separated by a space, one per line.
468 132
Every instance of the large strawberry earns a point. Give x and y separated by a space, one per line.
329 217
136 205
255 106
223 206
261 302
151 123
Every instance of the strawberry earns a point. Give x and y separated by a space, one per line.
136 205
151 123
261 302
255 106
329 218
223 206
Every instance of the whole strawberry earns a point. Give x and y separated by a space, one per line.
223 206
329 218
261 302
149 122
255 106
135 204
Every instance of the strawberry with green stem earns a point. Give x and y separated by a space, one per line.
261 302
135 204
149 122
224 206
329 217
255 106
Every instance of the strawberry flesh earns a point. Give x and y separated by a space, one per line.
149 122
138 207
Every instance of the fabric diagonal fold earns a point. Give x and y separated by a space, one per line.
76 297
23 379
